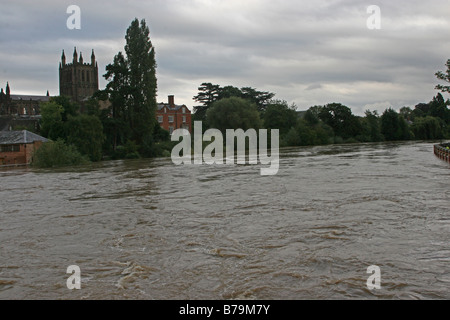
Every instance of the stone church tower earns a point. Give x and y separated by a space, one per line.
78 80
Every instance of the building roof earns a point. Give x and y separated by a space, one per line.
170 107
19 137
16 97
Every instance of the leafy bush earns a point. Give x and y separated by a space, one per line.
127 151
164 149
292 138
428 128
58 154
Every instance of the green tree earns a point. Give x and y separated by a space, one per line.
306 133
132 89
324 133
393 126
341 119
92 107
279 115
292 138
406 113
116 121
233 113
308 130
86 133
260 98
445 76
315 110
210 93
161 134
439 109
141 82
421 110
228 92
52 125
427 128
311 117
371 127
207 95
70 108
389 125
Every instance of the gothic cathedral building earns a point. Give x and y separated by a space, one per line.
78 80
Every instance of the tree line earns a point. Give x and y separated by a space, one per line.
230 107
128 127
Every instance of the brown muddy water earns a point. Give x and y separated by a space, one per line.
146 229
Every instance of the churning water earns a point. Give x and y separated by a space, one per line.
146 229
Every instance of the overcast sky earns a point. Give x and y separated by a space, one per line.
306 52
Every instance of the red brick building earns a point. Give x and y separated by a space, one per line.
17 147
171 116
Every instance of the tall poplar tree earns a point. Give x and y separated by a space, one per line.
132 87
142 81
117 126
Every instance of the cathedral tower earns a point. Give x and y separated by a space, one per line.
78 80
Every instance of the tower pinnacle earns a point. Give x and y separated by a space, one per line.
75 55
63 58
92 58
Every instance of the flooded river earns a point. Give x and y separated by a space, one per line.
146 229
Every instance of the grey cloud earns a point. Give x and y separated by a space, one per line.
304 51
314 87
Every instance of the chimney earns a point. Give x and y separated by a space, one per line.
171 101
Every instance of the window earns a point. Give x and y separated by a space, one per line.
160 119
10 148
170 119
183 110
184 119
170 130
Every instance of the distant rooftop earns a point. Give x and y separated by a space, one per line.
29 97
170 107
19 137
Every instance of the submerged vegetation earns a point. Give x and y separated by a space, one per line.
58 154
